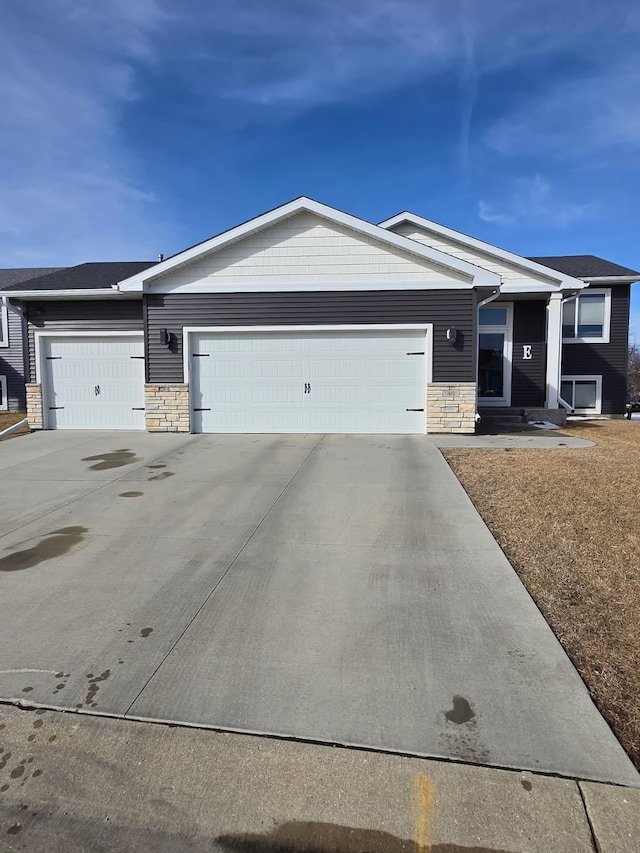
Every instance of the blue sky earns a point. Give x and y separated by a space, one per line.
132 127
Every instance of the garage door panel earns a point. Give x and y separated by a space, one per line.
325 381
94 382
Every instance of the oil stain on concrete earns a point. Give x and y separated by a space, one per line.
309 837
130 494
94 686
146 631
115 459
55 544
162 476
461 712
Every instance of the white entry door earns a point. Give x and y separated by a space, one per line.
93 382
370 381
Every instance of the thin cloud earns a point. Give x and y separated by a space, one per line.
533 201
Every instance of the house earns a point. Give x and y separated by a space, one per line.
308 319
12 353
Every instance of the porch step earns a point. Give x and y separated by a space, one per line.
518 415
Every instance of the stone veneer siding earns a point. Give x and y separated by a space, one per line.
167 408
451 407
35 412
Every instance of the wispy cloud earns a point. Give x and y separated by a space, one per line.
68 187
534 201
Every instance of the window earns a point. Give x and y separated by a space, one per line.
4 326
584 393
493 317
4 402
586 318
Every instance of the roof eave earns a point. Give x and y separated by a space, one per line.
611 279
94 293
476 274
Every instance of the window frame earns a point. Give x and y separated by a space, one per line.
4 326
586 378
4 398
606 320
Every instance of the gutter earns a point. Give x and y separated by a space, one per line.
95 293
493 296
612 279
13 308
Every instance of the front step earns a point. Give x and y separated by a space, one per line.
520 415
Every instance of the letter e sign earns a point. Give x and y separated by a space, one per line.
526 351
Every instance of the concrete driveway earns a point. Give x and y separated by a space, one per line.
335 588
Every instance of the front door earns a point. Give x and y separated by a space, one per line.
494 354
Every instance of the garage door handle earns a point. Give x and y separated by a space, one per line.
96 390
202 410
201 354
53 357
307 387
136 356
51 408
415 410
415 353
137 408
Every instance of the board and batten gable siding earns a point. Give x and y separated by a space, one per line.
512 274
306 249
606 360
87 315
451 362
528 376
12 363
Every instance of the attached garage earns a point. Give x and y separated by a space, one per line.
92 381
333 380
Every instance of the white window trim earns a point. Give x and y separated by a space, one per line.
598 380
507 329
4 326
4 402
606 326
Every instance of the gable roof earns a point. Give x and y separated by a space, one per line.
90 276
10 277
565 280
476 274
586 266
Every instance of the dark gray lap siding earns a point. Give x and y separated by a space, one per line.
451 363
90 315
12 363
606 360
528 377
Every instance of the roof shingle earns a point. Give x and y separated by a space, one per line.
584 266
92 276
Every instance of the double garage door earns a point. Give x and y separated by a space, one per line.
94 382
370 381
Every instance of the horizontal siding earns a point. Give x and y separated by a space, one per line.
452 363
81 316
308 250
528 377
482 259
12 363
606 360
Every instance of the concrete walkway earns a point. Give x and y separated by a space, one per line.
71 783
339 589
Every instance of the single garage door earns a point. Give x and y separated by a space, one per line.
93 382
309 382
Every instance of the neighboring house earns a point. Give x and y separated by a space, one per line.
307 319
12 353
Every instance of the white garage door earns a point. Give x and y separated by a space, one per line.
93 382
309 382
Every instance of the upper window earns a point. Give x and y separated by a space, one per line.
586 318
4 327
493 316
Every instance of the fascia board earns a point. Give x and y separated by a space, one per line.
478 275
481 246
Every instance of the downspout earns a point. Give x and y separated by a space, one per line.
562 401
15 309
480 305
11 307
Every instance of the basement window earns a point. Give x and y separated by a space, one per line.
584 393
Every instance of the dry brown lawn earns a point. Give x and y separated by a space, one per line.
7 419
569 522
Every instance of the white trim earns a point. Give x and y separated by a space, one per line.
300 287
507 356
187 331
39 338
478 275
612 279
4 402
94 293
565 281
554 349
606 325
4 325
587 378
